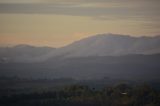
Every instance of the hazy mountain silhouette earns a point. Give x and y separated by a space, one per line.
104 55
98 45
22 53
108 45
142 67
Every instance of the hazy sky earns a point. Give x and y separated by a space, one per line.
59 22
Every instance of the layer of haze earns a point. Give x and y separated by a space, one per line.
59 22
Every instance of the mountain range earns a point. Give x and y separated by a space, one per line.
99 56
22 53
97 45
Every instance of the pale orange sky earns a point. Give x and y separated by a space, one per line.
57 23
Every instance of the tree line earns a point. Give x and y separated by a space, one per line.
80 95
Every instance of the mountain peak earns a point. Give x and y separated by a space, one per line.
104 37
110 45
110 35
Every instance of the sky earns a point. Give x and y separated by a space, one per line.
57 23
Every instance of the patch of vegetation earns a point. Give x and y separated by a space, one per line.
79 95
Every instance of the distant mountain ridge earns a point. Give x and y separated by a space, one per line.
114 44
99 56
22 53
108 45
97 45
132 67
